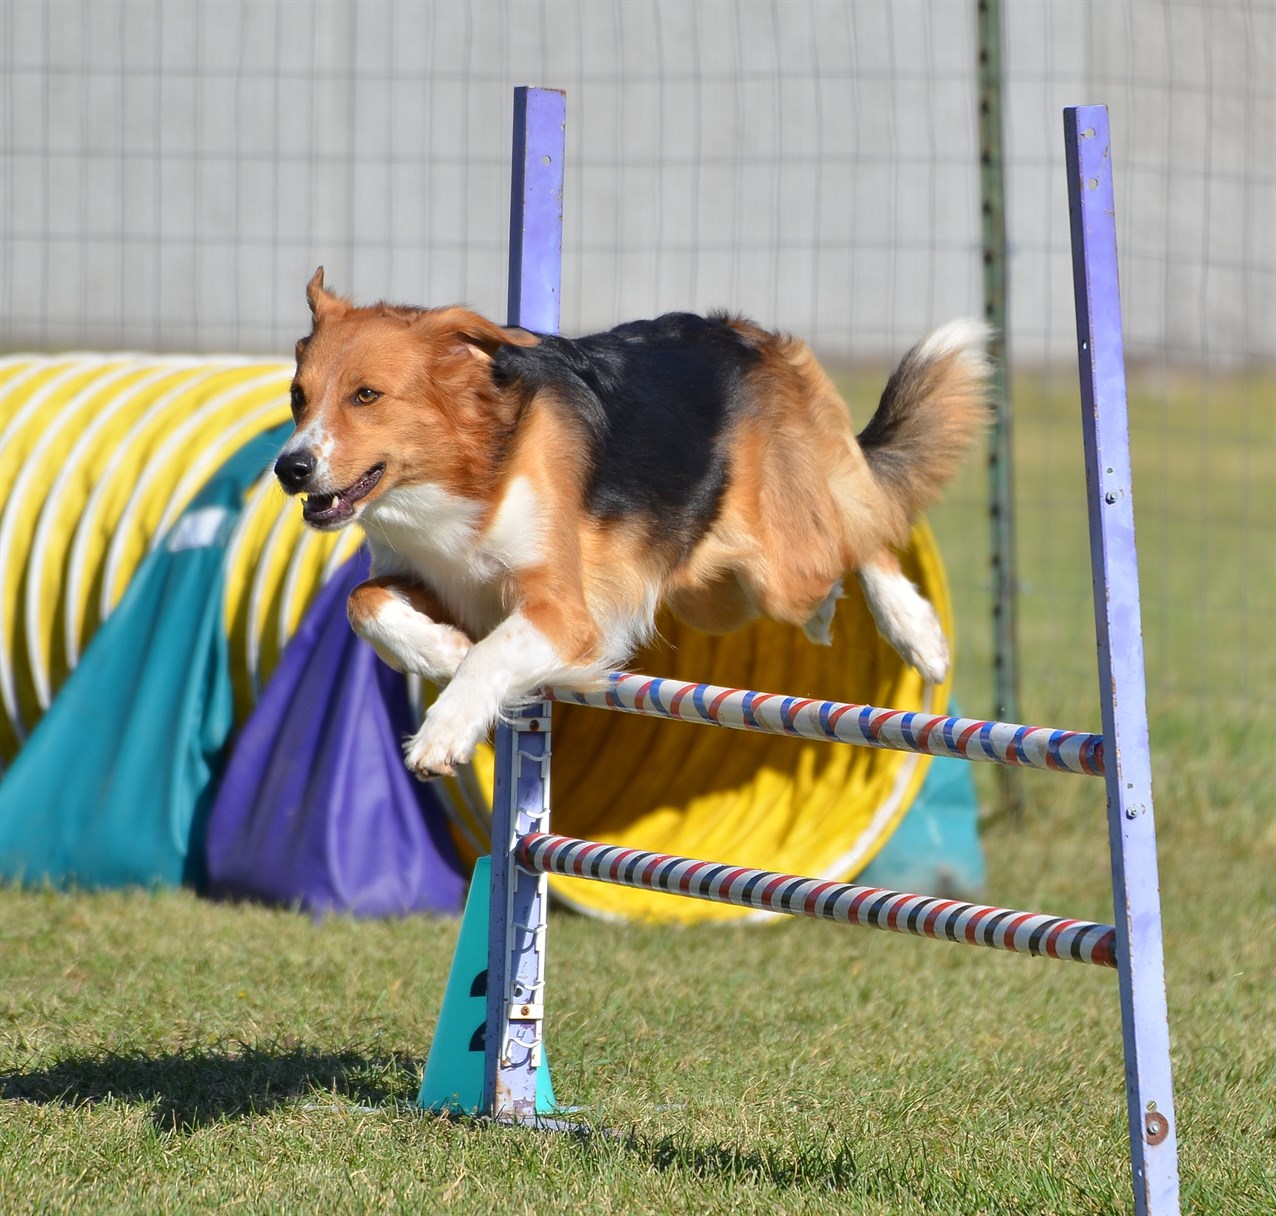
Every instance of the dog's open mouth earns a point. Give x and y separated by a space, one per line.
336 508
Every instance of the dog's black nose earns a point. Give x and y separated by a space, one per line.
294 469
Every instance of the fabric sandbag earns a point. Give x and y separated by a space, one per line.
316 808
113 786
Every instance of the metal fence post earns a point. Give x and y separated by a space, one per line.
1001 489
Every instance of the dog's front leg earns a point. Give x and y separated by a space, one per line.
506 667
400 620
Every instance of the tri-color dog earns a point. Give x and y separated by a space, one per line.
532 501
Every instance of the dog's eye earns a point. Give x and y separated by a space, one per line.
366 396
298 400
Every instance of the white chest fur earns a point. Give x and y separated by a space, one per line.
435 535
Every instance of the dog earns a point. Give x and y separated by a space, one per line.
532 501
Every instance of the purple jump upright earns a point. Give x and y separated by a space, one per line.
520 799
524 849
1115 572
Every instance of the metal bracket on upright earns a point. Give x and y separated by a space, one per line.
520 800
1114 568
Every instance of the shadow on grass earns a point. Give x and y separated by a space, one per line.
192 1088
822 1167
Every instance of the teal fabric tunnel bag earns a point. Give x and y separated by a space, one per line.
114 785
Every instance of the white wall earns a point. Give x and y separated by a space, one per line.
173 170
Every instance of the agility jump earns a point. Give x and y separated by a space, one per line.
524 848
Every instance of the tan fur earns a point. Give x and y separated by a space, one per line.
505 530
553 592
801 508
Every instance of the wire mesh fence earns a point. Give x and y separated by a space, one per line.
173 170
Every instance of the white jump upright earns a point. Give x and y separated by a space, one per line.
524 849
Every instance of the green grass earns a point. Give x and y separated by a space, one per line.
163 1054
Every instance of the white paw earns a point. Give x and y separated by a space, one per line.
928 651
906 620
438 748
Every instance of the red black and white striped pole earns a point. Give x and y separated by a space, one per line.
869 907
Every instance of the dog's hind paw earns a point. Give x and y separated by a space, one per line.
930 655
919 638
906 620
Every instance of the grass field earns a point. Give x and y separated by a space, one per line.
163 1054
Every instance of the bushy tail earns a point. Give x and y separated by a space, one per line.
933 406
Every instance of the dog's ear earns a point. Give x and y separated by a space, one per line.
323 304
483 338
457 331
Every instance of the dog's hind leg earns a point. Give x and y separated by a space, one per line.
717 606
819 626
904 617
398 618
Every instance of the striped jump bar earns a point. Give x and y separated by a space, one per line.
1061 751
871 907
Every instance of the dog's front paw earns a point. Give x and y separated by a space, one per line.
437 751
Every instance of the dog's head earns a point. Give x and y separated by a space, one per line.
388 397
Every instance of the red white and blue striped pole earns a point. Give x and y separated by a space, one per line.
1061 751
869 907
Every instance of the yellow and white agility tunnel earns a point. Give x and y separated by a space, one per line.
100 455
